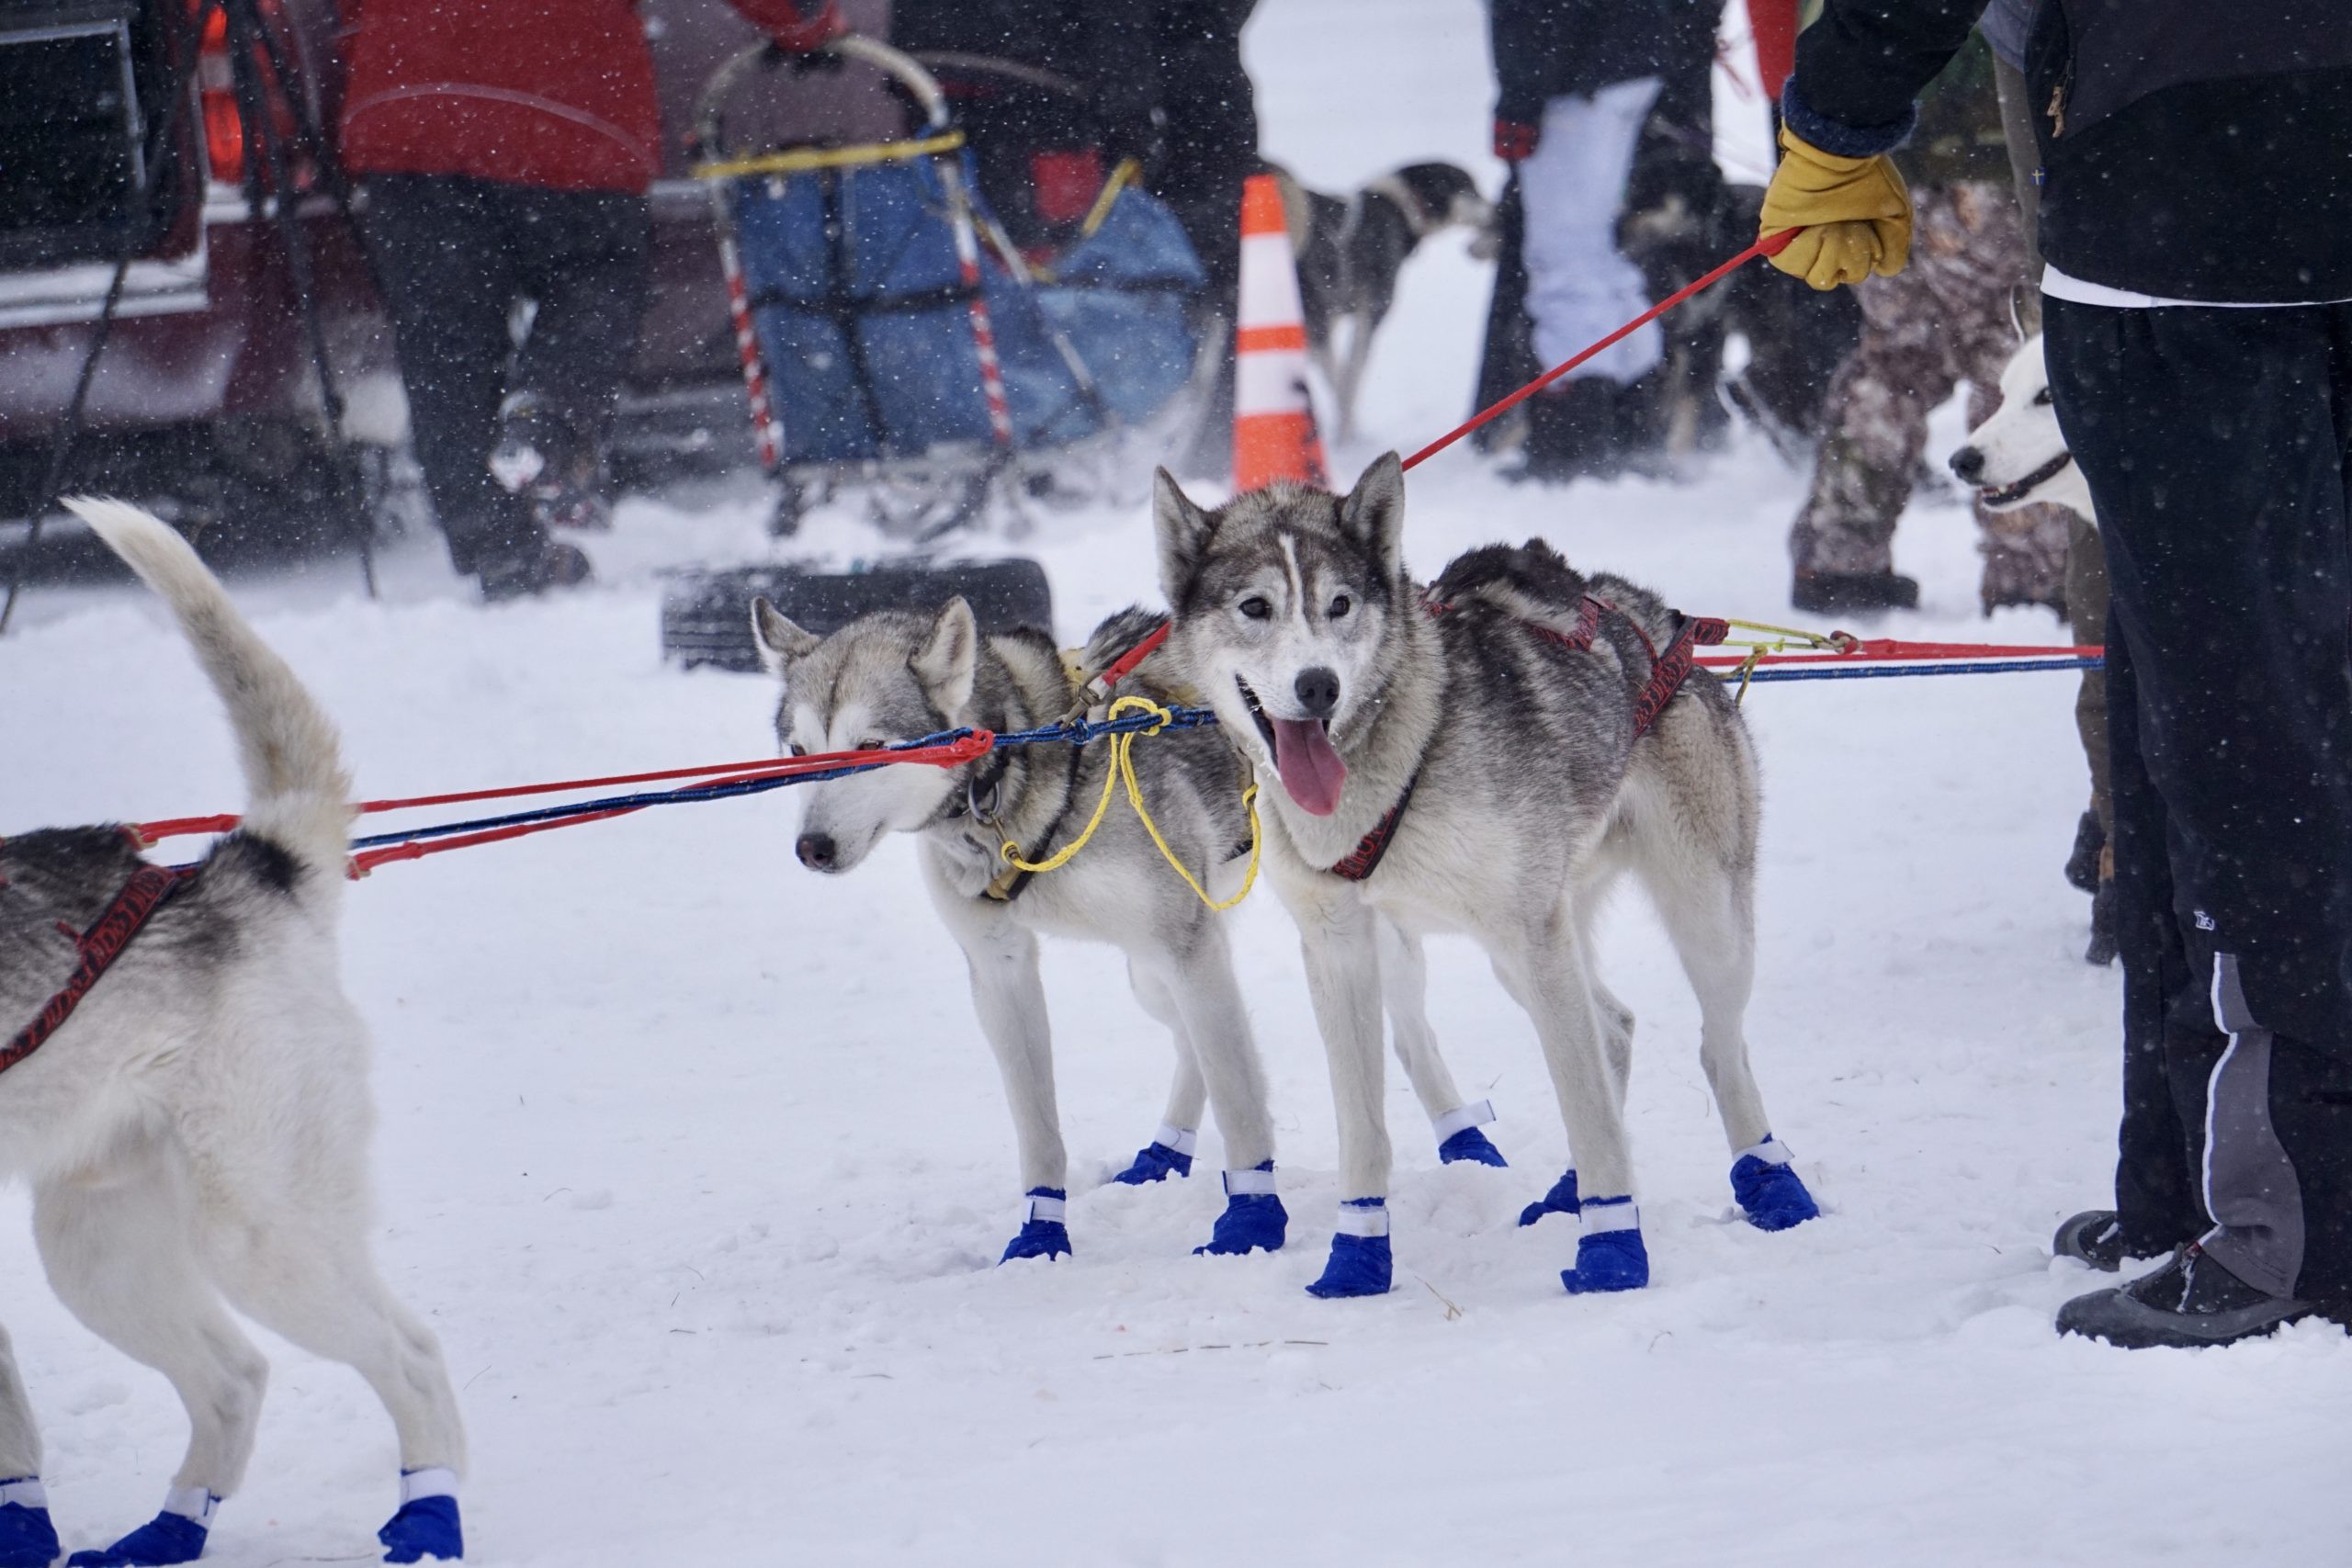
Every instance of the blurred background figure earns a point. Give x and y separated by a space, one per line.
505 148
1947 319
1576 82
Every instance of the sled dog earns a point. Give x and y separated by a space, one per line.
1476 761
898 674
1351 250
196 1130
2018 457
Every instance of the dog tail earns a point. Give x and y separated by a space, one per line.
296 790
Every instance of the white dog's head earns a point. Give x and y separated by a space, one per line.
2018 457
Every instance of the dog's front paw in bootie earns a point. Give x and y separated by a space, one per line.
175 1535
1360 1264
1044 1234
1254 1218
28 1539
1771 1193
1610 1255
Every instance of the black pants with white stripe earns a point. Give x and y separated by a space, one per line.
2218 445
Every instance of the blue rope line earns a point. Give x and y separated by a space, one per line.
1079 732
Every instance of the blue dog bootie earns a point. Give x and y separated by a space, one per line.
1253 1217
175 1535
1169 1153
1043 1233
1610 1254
1771 1193
1459 1140
1360 1264
426 1525
1561 1200
28 1539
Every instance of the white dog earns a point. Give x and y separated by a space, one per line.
2018 457
197 1127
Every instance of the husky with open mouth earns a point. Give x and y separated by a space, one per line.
1488 757
898 675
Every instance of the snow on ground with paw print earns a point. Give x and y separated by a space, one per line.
697 1164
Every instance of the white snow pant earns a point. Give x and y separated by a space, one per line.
1579 286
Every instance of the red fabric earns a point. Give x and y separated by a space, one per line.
1066 184
1514 142
1774 23
551 93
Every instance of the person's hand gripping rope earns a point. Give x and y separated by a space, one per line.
1853 214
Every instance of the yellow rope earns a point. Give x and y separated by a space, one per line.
1123 769
1120 177
800 160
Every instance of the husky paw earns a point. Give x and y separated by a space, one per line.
28 1540
1608 1260
426 1526
1360 1264
1472 1145
1155 1162
1769 1190
167 1537
1042 1234
1561 1200
1251 1220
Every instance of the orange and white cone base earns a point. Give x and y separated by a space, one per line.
1274 421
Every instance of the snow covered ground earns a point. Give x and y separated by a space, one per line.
699 1166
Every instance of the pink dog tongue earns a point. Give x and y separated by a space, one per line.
1311 770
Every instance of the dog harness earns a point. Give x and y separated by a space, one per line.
1669 671
149 888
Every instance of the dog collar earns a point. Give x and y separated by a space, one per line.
1360 862
148 887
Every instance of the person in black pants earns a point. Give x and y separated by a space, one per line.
455 255
2196 167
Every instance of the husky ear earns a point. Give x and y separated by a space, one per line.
1374 512
949 658
1182 530
780 641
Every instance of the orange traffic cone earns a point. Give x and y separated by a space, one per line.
1274 423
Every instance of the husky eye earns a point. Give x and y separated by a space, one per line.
2042 398
797 749
1255 607
872 743
1340 605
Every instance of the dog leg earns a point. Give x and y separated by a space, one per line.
1010 998
1171 1149
1347 381
296 1260
1709 909
1217 1025
1404 990
28 1539
1549 972
1343 981
118 1244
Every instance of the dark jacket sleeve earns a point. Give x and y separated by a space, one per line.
1863 63
1525 38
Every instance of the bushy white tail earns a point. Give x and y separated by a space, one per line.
296 791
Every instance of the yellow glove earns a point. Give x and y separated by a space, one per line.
1855 214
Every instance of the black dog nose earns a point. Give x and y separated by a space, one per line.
1968 463
1318 692
816 850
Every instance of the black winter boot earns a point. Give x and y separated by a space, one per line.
2189 1303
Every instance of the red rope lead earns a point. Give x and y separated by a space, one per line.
1889 651
1770 245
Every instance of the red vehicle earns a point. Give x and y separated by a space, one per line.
204 400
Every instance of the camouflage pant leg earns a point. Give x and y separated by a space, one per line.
2025 555
1924 331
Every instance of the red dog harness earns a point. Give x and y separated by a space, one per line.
149 888
1669 671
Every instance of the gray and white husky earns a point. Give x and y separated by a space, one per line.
196 1131
2019 456
1475 771
898 675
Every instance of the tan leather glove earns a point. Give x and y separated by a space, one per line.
1855 214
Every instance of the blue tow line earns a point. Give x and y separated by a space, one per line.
1079 732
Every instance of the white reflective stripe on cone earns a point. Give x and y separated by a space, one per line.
1269 283
1270 381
